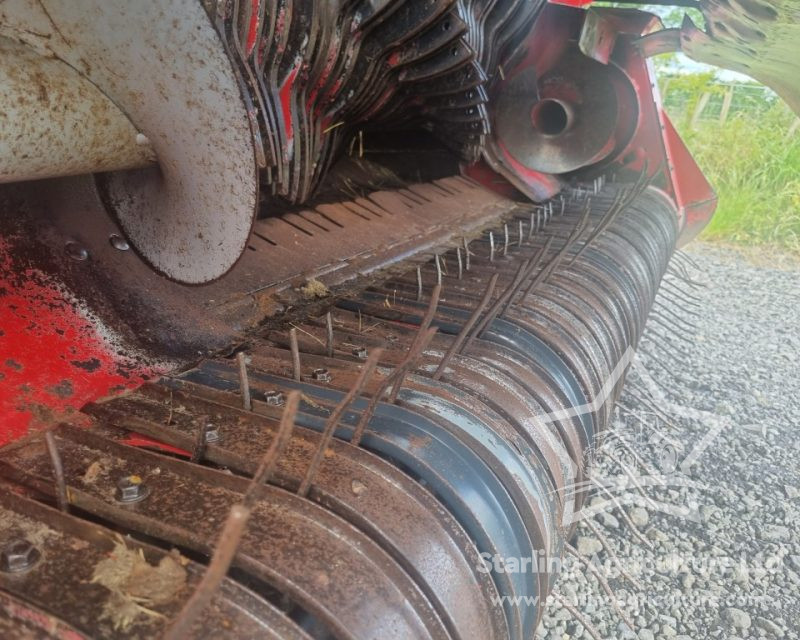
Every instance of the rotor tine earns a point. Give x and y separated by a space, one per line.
419 283
523 271
416 348
612 554
423 327
608 218
200 444
603 583
533 264
577 615
632 479
329 334
521 231
232 531
295 353
269 461
333 420
491 246
244 382
224 553
505 239
460 265
455 346
466 254
623 514
58 471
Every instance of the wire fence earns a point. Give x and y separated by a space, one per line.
717 101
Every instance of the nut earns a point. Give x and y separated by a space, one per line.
360 353
18 556
131 489
321 375
274 398
211 434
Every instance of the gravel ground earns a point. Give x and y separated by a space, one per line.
718 472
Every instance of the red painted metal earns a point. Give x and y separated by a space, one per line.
572 3
694 196
657 143
139 440
53 356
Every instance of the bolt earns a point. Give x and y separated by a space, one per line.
212 434
76 251
321 375
18 556
118 242
274 398
131 489
360 353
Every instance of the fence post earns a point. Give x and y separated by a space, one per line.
701 105
727 100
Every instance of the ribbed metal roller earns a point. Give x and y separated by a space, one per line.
463 444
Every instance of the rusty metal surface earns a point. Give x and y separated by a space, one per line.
292 544
57 123
164 65
351 482
74 582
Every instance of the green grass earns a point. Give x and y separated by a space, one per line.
754 166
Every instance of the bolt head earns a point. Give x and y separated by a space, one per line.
18 556
131 489
321 375
274 398
360 353
212 434
118 242
76 251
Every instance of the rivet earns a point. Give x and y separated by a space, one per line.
118 242
76 251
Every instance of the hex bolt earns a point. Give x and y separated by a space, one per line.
274 398
76 251
321 375
118 242
18 556
360 353
211 434
131 489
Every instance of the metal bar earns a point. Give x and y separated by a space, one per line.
58 472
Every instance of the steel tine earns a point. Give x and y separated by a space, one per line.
333 420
